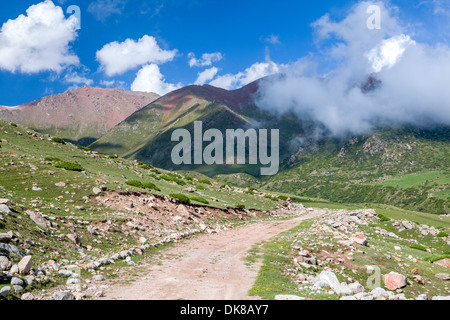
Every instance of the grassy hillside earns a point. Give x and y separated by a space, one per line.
407 168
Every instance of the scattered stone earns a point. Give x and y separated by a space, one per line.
5 291
74 238
5 264
356 287
423 297
394 281
17 288
15 281
407 225
348 298
5 202
419 280
182 211
5 209
444 262
60 184
37 218
6 237
379 292
98 277
25 265
96 191
415 271
63 295
359 238
443 276
27 297
441 298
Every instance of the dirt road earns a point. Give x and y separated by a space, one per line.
208 267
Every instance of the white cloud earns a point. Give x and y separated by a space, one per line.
273 39
114 84
206 76
102 9
38 41
117 58
388 52
77 79
256 71
413 87
150 79
206 60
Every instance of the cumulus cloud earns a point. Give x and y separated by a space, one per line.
381 78
117 58
38 41
254 72
206 60
206 76
150 79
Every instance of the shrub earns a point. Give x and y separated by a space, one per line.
146 166
151 186
418 247
199 187
135 183
156 171
176 180
240 206
382 217
69 166
188 178
83 148
283 198
58 140
205 181
181 198
13 124
442 234
436 257
200 199
53 159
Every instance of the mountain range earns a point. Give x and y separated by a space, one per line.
403 166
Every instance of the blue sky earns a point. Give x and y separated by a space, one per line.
238 34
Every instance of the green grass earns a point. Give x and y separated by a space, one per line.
271 281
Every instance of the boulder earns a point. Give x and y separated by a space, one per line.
37 218
443 276
25 265
5 291
444 262
27 297
16 281
62 295
182 211
6 237
359 238
330 278
419 280
74 238
96 191
356 287
379 292
394 281
5 209
5 202
5 264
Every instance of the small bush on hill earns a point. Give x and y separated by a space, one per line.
200 199
58 140
181 197
69 166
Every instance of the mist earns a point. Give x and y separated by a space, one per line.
380 78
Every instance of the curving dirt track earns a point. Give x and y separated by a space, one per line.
208 267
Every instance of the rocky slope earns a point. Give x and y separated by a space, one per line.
82 115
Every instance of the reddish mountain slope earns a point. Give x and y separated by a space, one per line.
82 115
